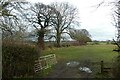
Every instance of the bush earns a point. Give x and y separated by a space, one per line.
18 59
116 67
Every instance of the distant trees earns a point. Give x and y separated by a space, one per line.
82 36
65 17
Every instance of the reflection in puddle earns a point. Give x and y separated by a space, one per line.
75 64
85 69
72 64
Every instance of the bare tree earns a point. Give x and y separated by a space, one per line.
117 13
66 16
39 16
10 19
116 21
4 15
4 4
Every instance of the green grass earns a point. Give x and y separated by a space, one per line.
90 52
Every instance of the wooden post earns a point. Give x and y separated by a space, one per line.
102 66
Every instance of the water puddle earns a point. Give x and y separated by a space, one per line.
75 64
85 69
72 64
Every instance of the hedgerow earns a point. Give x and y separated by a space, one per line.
18 59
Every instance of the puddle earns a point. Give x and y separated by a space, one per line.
85 69
75 64
72 64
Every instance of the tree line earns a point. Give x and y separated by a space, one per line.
53 20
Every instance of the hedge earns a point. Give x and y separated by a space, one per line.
116 67
18 59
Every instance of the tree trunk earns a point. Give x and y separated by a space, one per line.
58 39
58 42
41 40
41 43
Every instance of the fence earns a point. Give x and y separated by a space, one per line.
45 62
104 69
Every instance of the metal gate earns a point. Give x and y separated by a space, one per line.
45 62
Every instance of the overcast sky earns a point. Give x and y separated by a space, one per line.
96 21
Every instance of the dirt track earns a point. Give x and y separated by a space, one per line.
61 70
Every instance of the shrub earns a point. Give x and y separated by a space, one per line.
18 59
116 67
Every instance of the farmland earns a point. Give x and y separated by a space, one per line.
87 52
86 55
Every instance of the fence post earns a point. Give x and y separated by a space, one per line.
102 66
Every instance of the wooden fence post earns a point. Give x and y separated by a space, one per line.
102 66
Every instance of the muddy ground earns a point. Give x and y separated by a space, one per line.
61 70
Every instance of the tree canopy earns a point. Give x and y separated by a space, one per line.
82 36
66 16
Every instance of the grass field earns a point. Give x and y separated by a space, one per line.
89 52
84 54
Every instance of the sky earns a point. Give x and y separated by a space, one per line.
98 21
